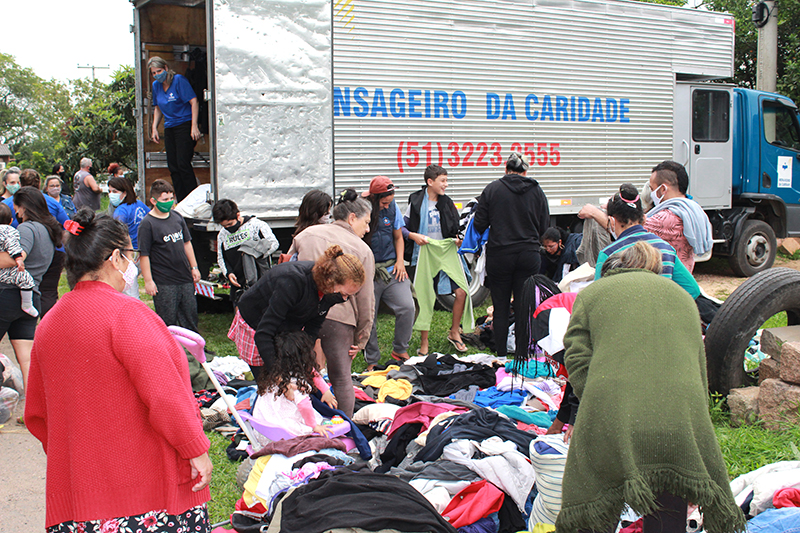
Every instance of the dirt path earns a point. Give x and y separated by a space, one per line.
22 461
22 473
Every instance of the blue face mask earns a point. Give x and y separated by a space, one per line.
161 76
115 198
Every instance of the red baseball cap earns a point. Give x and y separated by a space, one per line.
378 185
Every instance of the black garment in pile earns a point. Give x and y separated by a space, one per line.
476 425
318 458
369 501
438 378
510 518
396 449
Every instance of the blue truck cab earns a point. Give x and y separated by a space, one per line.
741 148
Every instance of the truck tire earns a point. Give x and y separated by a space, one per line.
754 250
740 316
477 292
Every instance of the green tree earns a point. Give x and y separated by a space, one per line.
32 111
746 48
102 126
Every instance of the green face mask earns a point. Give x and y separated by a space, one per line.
164 207
12 188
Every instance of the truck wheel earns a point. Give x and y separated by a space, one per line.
477 292
754 250
739 317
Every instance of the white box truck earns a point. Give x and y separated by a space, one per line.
327 94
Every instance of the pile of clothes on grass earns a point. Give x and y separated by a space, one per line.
438 443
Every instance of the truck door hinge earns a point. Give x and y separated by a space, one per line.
206 95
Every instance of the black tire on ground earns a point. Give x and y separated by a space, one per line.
757 299
478 292
754 250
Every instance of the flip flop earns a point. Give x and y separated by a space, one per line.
420 352
458 345
400 357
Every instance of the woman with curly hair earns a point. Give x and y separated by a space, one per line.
283 390
293 296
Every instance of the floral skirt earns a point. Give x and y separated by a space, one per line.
192 521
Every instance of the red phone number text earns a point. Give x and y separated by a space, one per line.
411 154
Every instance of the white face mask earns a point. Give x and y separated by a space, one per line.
325 219
130 274
654 196
612 230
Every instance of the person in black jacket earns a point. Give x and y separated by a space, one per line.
292 296
441 222
559 253
516 209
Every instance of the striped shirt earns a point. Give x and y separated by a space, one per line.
672 268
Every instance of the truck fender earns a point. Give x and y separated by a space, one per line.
775 217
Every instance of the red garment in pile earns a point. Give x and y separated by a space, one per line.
788 497
478 500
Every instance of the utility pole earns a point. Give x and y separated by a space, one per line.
93 67
765 18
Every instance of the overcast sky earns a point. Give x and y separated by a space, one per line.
53 37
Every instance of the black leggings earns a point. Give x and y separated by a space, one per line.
507 273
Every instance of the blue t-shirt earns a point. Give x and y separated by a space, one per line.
174 104
132 215
382 242
53 205
55 208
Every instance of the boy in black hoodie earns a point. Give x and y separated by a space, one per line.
515 208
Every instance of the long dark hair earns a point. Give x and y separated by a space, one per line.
375 200
295 361
315 205
99 236
32 201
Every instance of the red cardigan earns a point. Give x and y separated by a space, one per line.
109 398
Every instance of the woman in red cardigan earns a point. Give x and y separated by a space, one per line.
111 402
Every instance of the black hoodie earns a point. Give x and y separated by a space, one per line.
516 209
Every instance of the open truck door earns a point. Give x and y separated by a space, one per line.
704 141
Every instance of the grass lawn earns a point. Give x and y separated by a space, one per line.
744 449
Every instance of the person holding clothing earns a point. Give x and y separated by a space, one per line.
140 438
293 296
87 191
515 208
244 246
177 103
53 187
40 235
625 218
634 345
347 327
431 214
391 283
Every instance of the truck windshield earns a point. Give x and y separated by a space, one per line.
780 125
